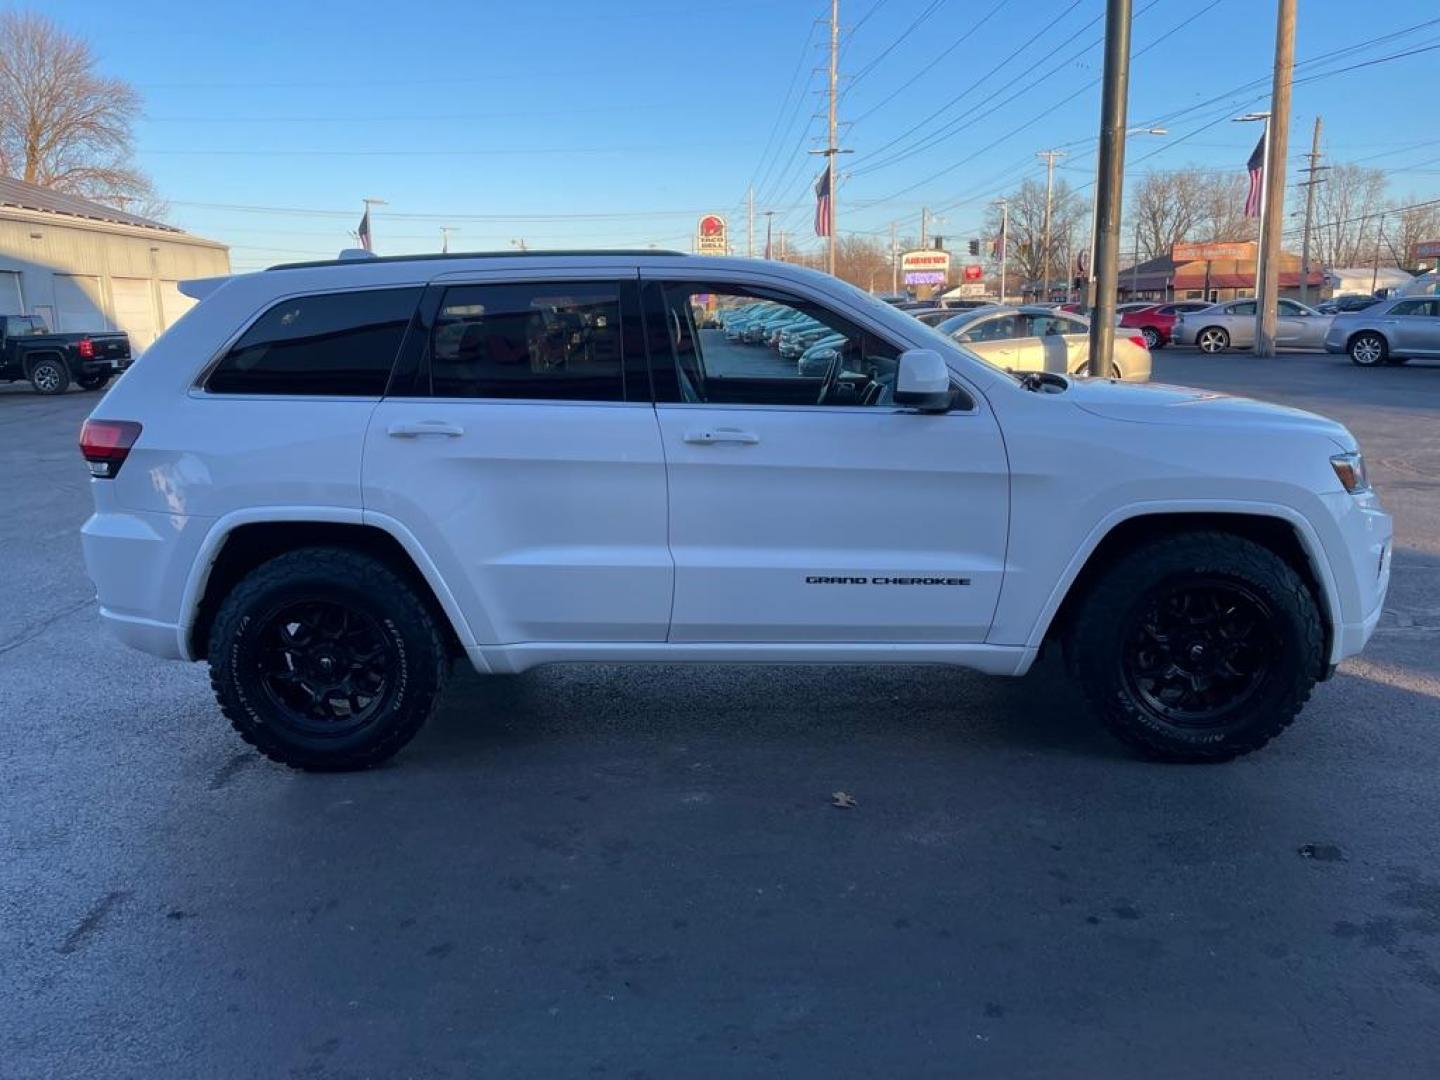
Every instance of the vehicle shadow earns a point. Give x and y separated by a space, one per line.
771 705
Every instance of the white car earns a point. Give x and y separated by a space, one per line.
331 480
1232 326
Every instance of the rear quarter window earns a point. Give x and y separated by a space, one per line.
339 344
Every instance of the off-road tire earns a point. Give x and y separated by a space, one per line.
49 376
336 576
1096 645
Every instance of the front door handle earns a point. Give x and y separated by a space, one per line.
711 436
410 429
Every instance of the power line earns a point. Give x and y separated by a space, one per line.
914 25
784 103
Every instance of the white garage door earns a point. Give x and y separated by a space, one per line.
78 306
173 303
135 310
11 302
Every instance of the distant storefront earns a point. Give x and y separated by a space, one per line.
1214 272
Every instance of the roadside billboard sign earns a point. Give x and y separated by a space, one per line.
925 267
1427 249
711 236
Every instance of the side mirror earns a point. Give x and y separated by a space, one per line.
923 381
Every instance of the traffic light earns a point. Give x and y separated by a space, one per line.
974 247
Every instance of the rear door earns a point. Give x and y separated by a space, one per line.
519 446
812 509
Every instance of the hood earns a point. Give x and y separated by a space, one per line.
1157 403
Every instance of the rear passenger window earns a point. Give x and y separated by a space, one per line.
330 344
550 341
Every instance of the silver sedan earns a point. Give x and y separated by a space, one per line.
1232 326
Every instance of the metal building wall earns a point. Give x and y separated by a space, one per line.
93 275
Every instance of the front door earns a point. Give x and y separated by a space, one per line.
809 508
522 452
1411 328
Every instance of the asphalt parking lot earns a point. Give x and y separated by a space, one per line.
638 872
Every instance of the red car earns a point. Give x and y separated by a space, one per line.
1155 322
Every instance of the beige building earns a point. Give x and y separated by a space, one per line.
80 265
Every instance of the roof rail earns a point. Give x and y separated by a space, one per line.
348 257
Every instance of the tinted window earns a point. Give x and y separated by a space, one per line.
557 341
1247 308
329 344
1411 307
724 345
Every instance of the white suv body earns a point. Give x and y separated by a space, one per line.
550 452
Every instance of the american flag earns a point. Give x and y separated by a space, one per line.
363 233
997 246
1256 165
822 201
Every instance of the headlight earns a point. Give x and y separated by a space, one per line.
1350 468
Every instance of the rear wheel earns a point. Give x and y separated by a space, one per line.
1198 647
1151 336
324 659
49 375
1368 349
1212 339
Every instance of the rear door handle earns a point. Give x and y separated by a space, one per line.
409 429
711 436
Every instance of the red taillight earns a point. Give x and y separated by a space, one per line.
106 444
1138 339
86 348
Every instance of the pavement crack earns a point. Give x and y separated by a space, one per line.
34 630
90 925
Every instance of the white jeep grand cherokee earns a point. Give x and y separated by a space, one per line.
330 479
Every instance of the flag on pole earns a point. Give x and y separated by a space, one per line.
1256 165
997 246
767 237
822 201
363 233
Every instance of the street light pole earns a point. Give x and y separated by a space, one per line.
1108 195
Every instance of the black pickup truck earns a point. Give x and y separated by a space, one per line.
51 362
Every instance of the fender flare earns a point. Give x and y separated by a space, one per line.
1310 543
221 528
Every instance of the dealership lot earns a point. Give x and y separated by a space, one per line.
639 871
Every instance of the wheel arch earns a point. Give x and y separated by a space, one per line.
1278 528
31 358
1350 340
238 543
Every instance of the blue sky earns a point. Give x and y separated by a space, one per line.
574 124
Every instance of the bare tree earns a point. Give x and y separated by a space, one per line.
1406 226
1069 214
1348 206
62 124
1220 215
1166 205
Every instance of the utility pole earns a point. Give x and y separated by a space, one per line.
1266 313
1004 242
750 222
1375 268
924 216
894 263
1114 96
769 224
1314 168
445 231
1135 266
1050 156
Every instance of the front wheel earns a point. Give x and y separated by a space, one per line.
49 376
1368 350
1212 340
1151 336
324 659
1198 647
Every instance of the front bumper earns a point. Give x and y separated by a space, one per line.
1367 533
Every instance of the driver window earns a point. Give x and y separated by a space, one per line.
726 345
